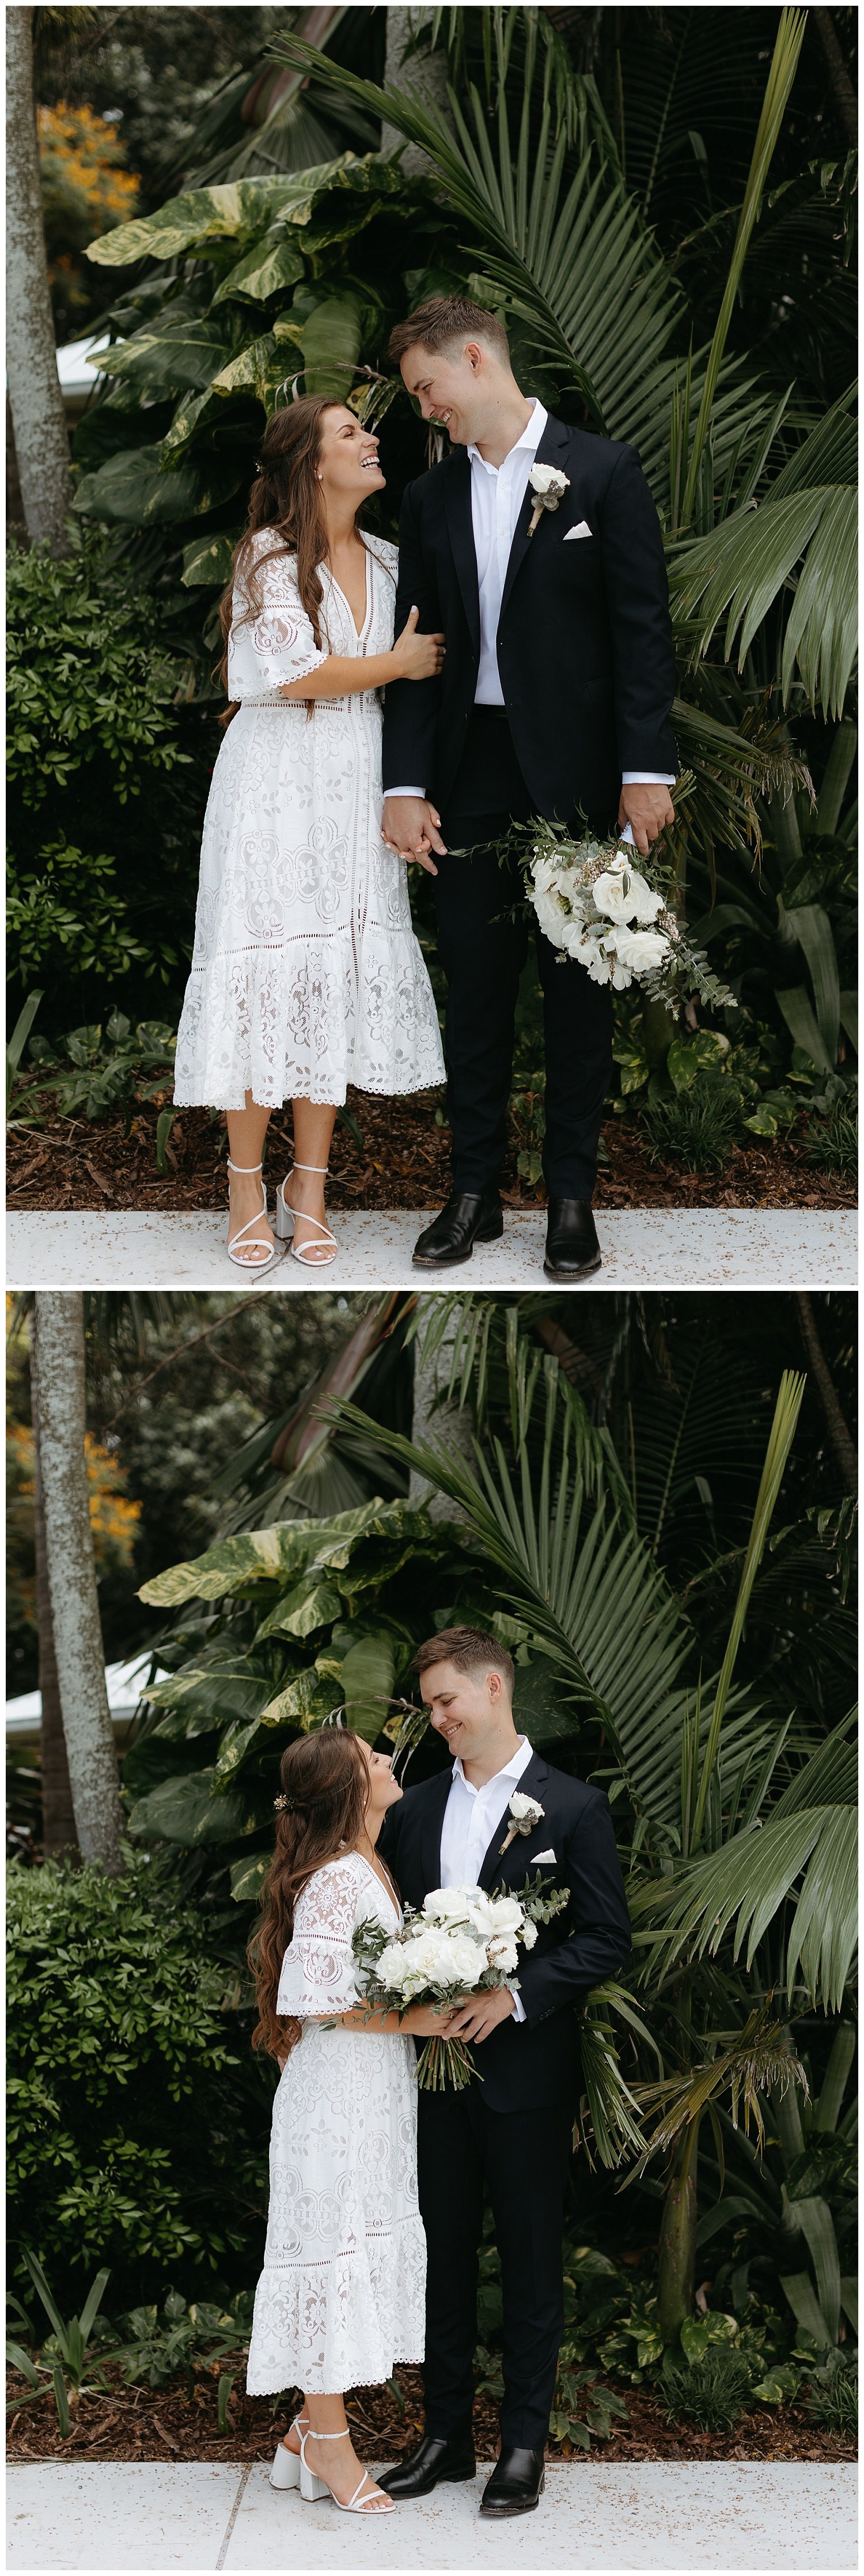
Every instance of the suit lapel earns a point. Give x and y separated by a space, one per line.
457 496
430 1837
517 1860
554 439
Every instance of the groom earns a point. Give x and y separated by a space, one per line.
554 699
511 2134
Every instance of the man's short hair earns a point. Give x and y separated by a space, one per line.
472 1650
444 320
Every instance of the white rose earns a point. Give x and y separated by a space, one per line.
548 478
508 1914
529 1933
447 1903
641 950
621 894
503 1954
520 1807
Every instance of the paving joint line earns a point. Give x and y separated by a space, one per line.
223 2553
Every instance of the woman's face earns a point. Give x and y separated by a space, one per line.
347 459
384 1791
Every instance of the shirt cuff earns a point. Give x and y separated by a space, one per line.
519 2013
405 791
632 778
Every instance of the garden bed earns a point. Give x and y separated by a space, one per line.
143 2423
81 1163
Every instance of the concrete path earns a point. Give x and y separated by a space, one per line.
732 2515
642 1248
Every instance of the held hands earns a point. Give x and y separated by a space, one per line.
410 827
417 657
647 807
428 2021
481 2014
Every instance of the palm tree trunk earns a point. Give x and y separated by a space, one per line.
839 1433
61 1410
845 98
41 441
58 1816
676 2269
422 76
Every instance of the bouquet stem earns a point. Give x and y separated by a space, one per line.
444 2062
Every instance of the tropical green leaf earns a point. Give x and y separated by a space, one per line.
751 1878
188 1811
330 340
797 1008
180 354
271 264
133 487
247 1878
747 561
207 562
798 2288
213 214
813 2216
307 1607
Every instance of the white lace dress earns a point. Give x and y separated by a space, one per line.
306 974
342 2293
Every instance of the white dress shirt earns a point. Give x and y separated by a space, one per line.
471 1817
497 494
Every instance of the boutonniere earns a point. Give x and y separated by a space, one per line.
548 485
525 1813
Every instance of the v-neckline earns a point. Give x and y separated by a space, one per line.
360 631
379 1882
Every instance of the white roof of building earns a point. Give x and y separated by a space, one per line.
124 1684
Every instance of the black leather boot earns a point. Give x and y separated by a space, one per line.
451 2459
572 1249
468 1218
516 2484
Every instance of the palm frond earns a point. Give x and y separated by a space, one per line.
787 1409
757 2060
745 564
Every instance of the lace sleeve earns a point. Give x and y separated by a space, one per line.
281 636
318 1970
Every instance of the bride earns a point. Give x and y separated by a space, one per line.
306 974
342 2294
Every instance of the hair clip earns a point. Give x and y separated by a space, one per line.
284 1802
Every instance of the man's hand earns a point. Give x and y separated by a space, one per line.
481 2015
410 827
647 808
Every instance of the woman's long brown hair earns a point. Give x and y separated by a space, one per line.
286 499
325 1779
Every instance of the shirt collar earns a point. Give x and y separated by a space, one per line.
512 1770
531 437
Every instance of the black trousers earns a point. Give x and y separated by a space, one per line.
483 951
522 2158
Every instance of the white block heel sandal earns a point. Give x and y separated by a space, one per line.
285 2471
314 2489
258 1242
286 1218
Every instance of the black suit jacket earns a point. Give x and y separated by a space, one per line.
528 2065
585 649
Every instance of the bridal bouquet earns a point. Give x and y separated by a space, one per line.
597 906
461 1943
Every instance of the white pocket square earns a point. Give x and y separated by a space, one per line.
538 1856
582 530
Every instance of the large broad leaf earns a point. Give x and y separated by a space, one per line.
186 1811
307 1606
133 488
814 934
266 269
282 1552
181 355
367 1682
213 214
205 1692
248 1876
330 340
207 562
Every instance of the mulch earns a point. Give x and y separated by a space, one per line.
176 2423
81 1163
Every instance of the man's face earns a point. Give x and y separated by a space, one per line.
462 1706
450 388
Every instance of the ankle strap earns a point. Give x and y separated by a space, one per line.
322 1169
326 2437
243 1167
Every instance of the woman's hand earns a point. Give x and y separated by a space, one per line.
427 2021
417 657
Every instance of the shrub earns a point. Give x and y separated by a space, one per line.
711 2392
108 756
137 2125
832 2396
832 1142
698 1125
